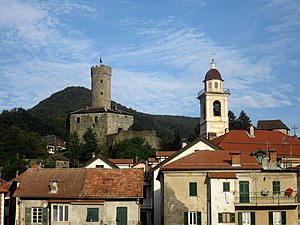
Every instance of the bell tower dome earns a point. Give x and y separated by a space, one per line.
213 105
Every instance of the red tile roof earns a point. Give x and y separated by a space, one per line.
165 153
204 160
121 161
125 183
283 144
3 190
82 183
221 175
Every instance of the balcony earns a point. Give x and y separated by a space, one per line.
261 199
224 91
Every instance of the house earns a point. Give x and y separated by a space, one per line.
275 125
54 144
79 196
3 192
227 187
100 161
60 161
262 141
122 163
157 198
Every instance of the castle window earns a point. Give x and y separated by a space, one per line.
101 81
217 108
96 119
101 93
78 119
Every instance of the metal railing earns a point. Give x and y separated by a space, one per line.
223 91
260 198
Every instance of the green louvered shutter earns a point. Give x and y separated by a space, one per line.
270 218
185 218
45 215
283 218
28 216
198 218
252 218
240 218
220 218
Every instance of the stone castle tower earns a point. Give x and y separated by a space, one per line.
101 86
213 105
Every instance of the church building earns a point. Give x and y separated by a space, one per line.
213 105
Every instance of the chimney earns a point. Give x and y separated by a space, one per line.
235 158
273 155
183 142
251 131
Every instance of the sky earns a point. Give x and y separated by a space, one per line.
159 52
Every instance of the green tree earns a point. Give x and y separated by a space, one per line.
89 145
243 122
132 148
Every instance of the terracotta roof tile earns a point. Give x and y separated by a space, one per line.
200 160
3 190
165 153
104 183
82 183
121 161
283 144
221 175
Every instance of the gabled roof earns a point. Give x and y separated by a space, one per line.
60 158
104 159
271 125
212 160
284 145
121 161
3 190
180 151
165 153
82 183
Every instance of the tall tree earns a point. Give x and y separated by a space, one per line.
241 123
89 145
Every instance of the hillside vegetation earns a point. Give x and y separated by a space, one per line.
54 110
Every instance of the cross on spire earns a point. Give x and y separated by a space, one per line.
213 55
213 65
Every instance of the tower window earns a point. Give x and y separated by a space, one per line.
101 81
217 108
209 85
216 85
101 93
96 119
78 119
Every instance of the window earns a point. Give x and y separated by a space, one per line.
96 119
276 187
101 81
99 166
209 85
78 119
226 186
226 217
246 218
37 215
216 85
217 108
92 215
192 218
60 213
193 188
277 218
101 93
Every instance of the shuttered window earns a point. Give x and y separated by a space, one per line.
92 215
193 188
276 187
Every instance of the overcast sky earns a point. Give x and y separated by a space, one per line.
159 51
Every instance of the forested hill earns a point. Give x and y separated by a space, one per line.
54 110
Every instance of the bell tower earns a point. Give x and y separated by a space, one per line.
213 105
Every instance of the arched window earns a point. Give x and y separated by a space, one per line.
217 108
78 119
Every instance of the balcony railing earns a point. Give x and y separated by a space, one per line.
223 91
260 198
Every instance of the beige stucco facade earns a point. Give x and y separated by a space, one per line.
77 211
212 200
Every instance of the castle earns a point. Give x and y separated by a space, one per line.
109 123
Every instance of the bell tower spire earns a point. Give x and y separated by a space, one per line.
213 104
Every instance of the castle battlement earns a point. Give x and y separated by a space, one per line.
101 69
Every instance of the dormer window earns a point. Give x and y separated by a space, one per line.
53 187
